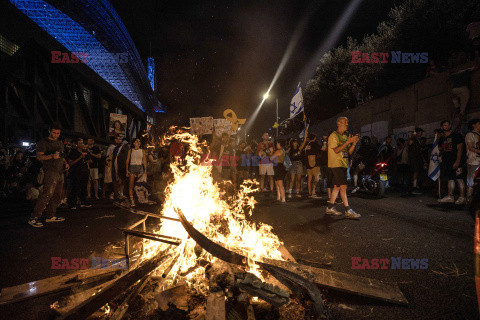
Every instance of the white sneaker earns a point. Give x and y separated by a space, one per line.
460 200
447 199
355 190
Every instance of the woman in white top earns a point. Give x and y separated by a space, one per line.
136 165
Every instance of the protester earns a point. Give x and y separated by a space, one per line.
107 178
136 166
80 172
402 166
452 166
94 156
296 171
364 159
312 155
278 158
472 143
50 153
119 160
223 153
415 158
243 154
265 149
323 161
340 147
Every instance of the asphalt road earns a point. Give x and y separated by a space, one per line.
408 227
413 227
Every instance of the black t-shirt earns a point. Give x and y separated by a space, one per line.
313 149
95 161
81 166
49 147
449 147
295 155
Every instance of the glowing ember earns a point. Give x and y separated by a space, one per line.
203 203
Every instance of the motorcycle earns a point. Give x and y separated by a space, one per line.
374 181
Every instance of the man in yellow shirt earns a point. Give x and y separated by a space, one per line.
340 147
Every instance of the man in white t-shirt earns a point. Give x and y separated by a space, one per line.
472 141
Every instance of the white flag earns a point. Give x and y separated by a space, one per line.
296 105
302 134
434 166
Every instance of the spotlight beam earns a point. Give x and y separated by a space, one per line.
335 32
297 34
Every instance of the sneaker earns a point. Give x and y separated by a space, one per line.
333 211
447 199
289 195
355 190
350 214
460 200
314 196
83 205
298 195
416 191
35 223
55 219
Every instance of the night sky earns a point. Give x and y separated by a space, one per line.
215 55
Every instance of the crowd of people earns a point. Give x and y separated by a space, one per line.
74 173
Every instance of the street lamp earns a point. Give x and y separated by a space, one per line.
265 97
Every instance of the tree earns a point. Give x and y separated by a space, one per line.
433 26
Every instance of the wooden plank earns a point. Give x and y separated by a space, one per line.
216 306
344 282
116 288
177 295
51 285
286 254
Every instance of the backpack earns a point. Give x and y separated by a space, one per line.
287 162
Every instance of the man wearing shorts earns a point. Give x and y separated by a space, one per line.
265 150
340 147
452 167
472 142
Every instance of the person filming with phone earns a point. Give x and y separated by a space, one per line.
340 147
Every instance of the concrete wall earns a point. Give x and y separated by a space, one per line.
424 104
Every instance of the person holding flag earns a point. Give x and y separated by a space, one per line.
434 165
296 105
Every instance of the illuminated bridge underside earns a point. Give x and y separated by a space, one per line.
94 27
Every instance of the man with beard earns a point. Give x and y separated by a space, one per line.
50 153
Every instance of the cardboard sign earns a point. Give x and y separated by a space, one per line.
118 125
201 126
223 125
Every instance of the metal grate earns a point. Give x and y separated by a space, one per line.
93 27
